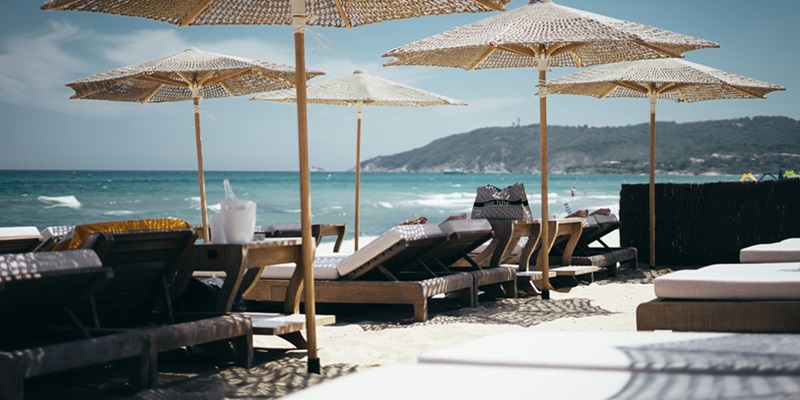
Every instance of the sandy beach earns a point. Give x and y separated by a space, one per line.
366 336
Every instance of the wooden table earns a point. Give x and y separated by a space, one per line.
242 265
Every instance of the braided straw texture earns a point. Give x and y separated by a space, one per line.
695 82
544 24
275 12
137 82
362 88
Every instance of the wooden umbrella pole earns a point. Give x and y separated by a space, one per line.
298 24
358 174
653 97
544 250
200 175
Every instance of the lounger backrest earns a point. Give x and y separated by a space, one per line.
463 236
19 239
596 226
80 233
144 264
34 288
396 248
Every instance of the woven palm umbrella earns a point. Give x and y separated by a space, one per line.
298 13
671 79
542 34
190 75
361 89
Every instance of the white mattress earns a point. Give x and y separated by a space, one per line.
757 281
13 231
787 250
324 269
466 226
336 266
384 242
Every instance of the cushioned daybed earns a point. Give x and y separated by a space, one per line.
587 365
757 297
787 250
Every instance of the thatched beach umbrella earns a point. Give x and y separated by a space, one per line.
671 79
190 75
361 89
542 35
298 13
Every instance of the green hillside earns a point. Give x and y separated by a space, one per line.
733 146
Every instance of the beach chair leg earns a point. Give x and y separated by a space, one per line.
12 379
139 372
421 311
243 350
151 379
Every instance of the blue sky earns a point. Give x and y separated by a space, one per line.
41 51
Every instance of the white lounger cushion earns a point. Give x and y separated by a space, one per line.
336 266
324 269
384 242
22 231
466 226
768 281
787 250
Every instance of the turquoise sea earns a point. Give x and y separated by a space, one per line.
51 198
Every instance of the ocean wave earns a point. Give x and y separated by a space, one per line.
385 204
442 200
60 201
119 212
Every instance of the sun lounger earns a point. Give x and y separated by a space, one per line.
52 235
37 292
464 236
385 271
139 297
787 250
726 298
588 365
19 239
567 235
596 226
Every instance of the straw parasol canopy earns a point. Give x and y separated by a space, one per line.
361 89
190 75
671 79
543 34
298 13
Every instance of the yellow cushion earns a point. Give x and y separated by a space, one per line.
81 232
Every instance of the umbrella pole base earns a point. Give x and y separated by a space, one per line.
545 294
314 366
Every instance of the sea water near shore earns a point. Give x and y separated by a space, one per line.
51 198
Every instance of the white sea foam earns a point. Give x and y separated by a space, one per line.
60 201
385 204
119 212
442 200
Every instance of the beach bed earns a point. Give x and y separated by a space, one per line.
756 297
787 250
587 365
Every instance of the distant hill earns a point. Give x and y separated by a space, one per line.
732 146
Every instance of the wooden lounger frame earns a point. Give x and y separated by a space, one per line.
719 316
